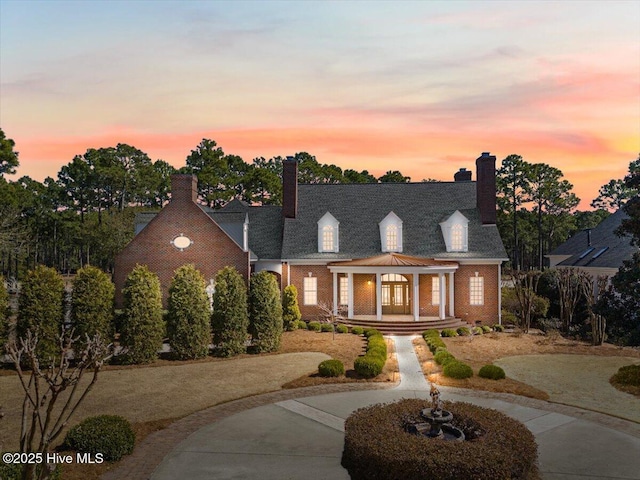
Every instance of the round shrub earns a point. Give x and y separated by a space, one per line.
110 435
493 372
371 331
342 328
331 368
449 332
326 327
463 331
368 366
498 328
457 369
434 343
314 326
430 333
486 329
628 375
443 357
477 330
357 330
302 325
376 445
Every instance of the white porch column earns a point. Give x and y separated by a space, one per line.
451 296
378 296
416 297
499 294
335 293
349 295
443 297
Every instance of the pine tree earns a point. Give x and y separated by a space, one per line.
142 325
290 309
4 314
265 312
188 326
92 302
229 321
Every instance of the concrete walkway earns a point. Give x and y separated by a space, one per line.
302 438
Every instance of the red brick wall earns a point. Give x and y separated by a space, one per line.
212 249
427 309
487 314
325 288
364 294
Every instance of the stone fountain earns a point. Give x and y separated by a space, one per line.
437 421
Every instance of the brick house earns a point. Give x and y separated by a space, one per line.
375 251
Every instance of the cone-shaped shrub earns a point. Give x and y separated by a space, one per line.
230 320
265 312
188 319
142 325
4 314
290 309
41 309
92 304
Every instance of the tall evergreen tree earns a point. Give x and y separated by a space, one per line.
290 309
229 320
92 301
265 312
142 324
4 314
188 321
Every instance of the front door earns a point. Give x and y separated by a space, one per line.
395 295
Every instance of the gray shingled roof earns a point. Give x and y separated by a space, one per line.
612 249
360 207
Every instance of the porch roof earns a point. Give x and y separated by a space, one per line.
394 260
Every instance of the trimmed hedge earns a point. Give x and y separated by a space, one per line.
433 342
463 331
331 368
371 331
357 330
431 333
110 435
492 372
371 364
486 329
498 328
314 326
628 375
443 357
290 310
265 312
342 329
326 327
376 445
449 332
477 330
302 325
457 369
230 319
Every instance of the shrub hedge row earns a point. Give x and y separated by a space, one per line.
451 367
342 328
372 362
357 330
376 445
314 326
326 327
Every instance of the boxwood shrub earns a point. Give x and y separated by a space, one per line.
434 342
628 375
463 331
302 325
342 328
492 372
449 332
326 327
377 446
314 326
443 357
331 368
498 328
371 331
110 435
372 362
357 330
486 329
457 369
432 332
477 330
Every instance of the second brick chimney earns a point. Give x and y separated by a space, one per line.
462 175
486 187
290 188
184 188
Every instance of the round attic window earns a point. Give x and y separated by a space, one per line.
181 242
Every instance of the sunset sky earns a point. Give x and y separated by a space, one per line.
422 87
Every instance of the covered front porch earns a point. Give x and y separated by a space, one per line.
389 286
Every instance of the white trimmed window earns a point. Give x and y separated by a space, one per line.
344 290
391 233
457 241
435 290
310 290
455 231
328 233
476 290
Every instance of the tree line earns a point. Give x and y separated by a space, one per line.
86 214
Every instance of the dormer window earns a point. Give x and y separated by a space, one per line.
391 233
455 231
328 233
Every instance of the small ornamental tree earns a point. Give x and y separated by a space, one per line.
142 325
4 314
188 326
92 302
290 309
229 321
41 310
265 312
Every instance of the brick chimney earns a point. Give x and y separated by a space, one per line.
184 188
463 175
290 188
486 187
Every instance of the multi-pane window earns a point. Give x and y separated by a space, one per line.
327 239
344 290
310 290
435 290
476 291
457 242
392 238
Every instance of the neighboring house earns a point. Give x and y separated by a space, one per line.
597 251
421 250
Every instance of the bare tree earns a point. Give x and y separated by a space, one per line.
569 286
592 288
326 310
525 286
42 422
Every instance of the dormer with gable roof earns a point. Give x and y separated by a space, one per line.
455 231
391 233
328 234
